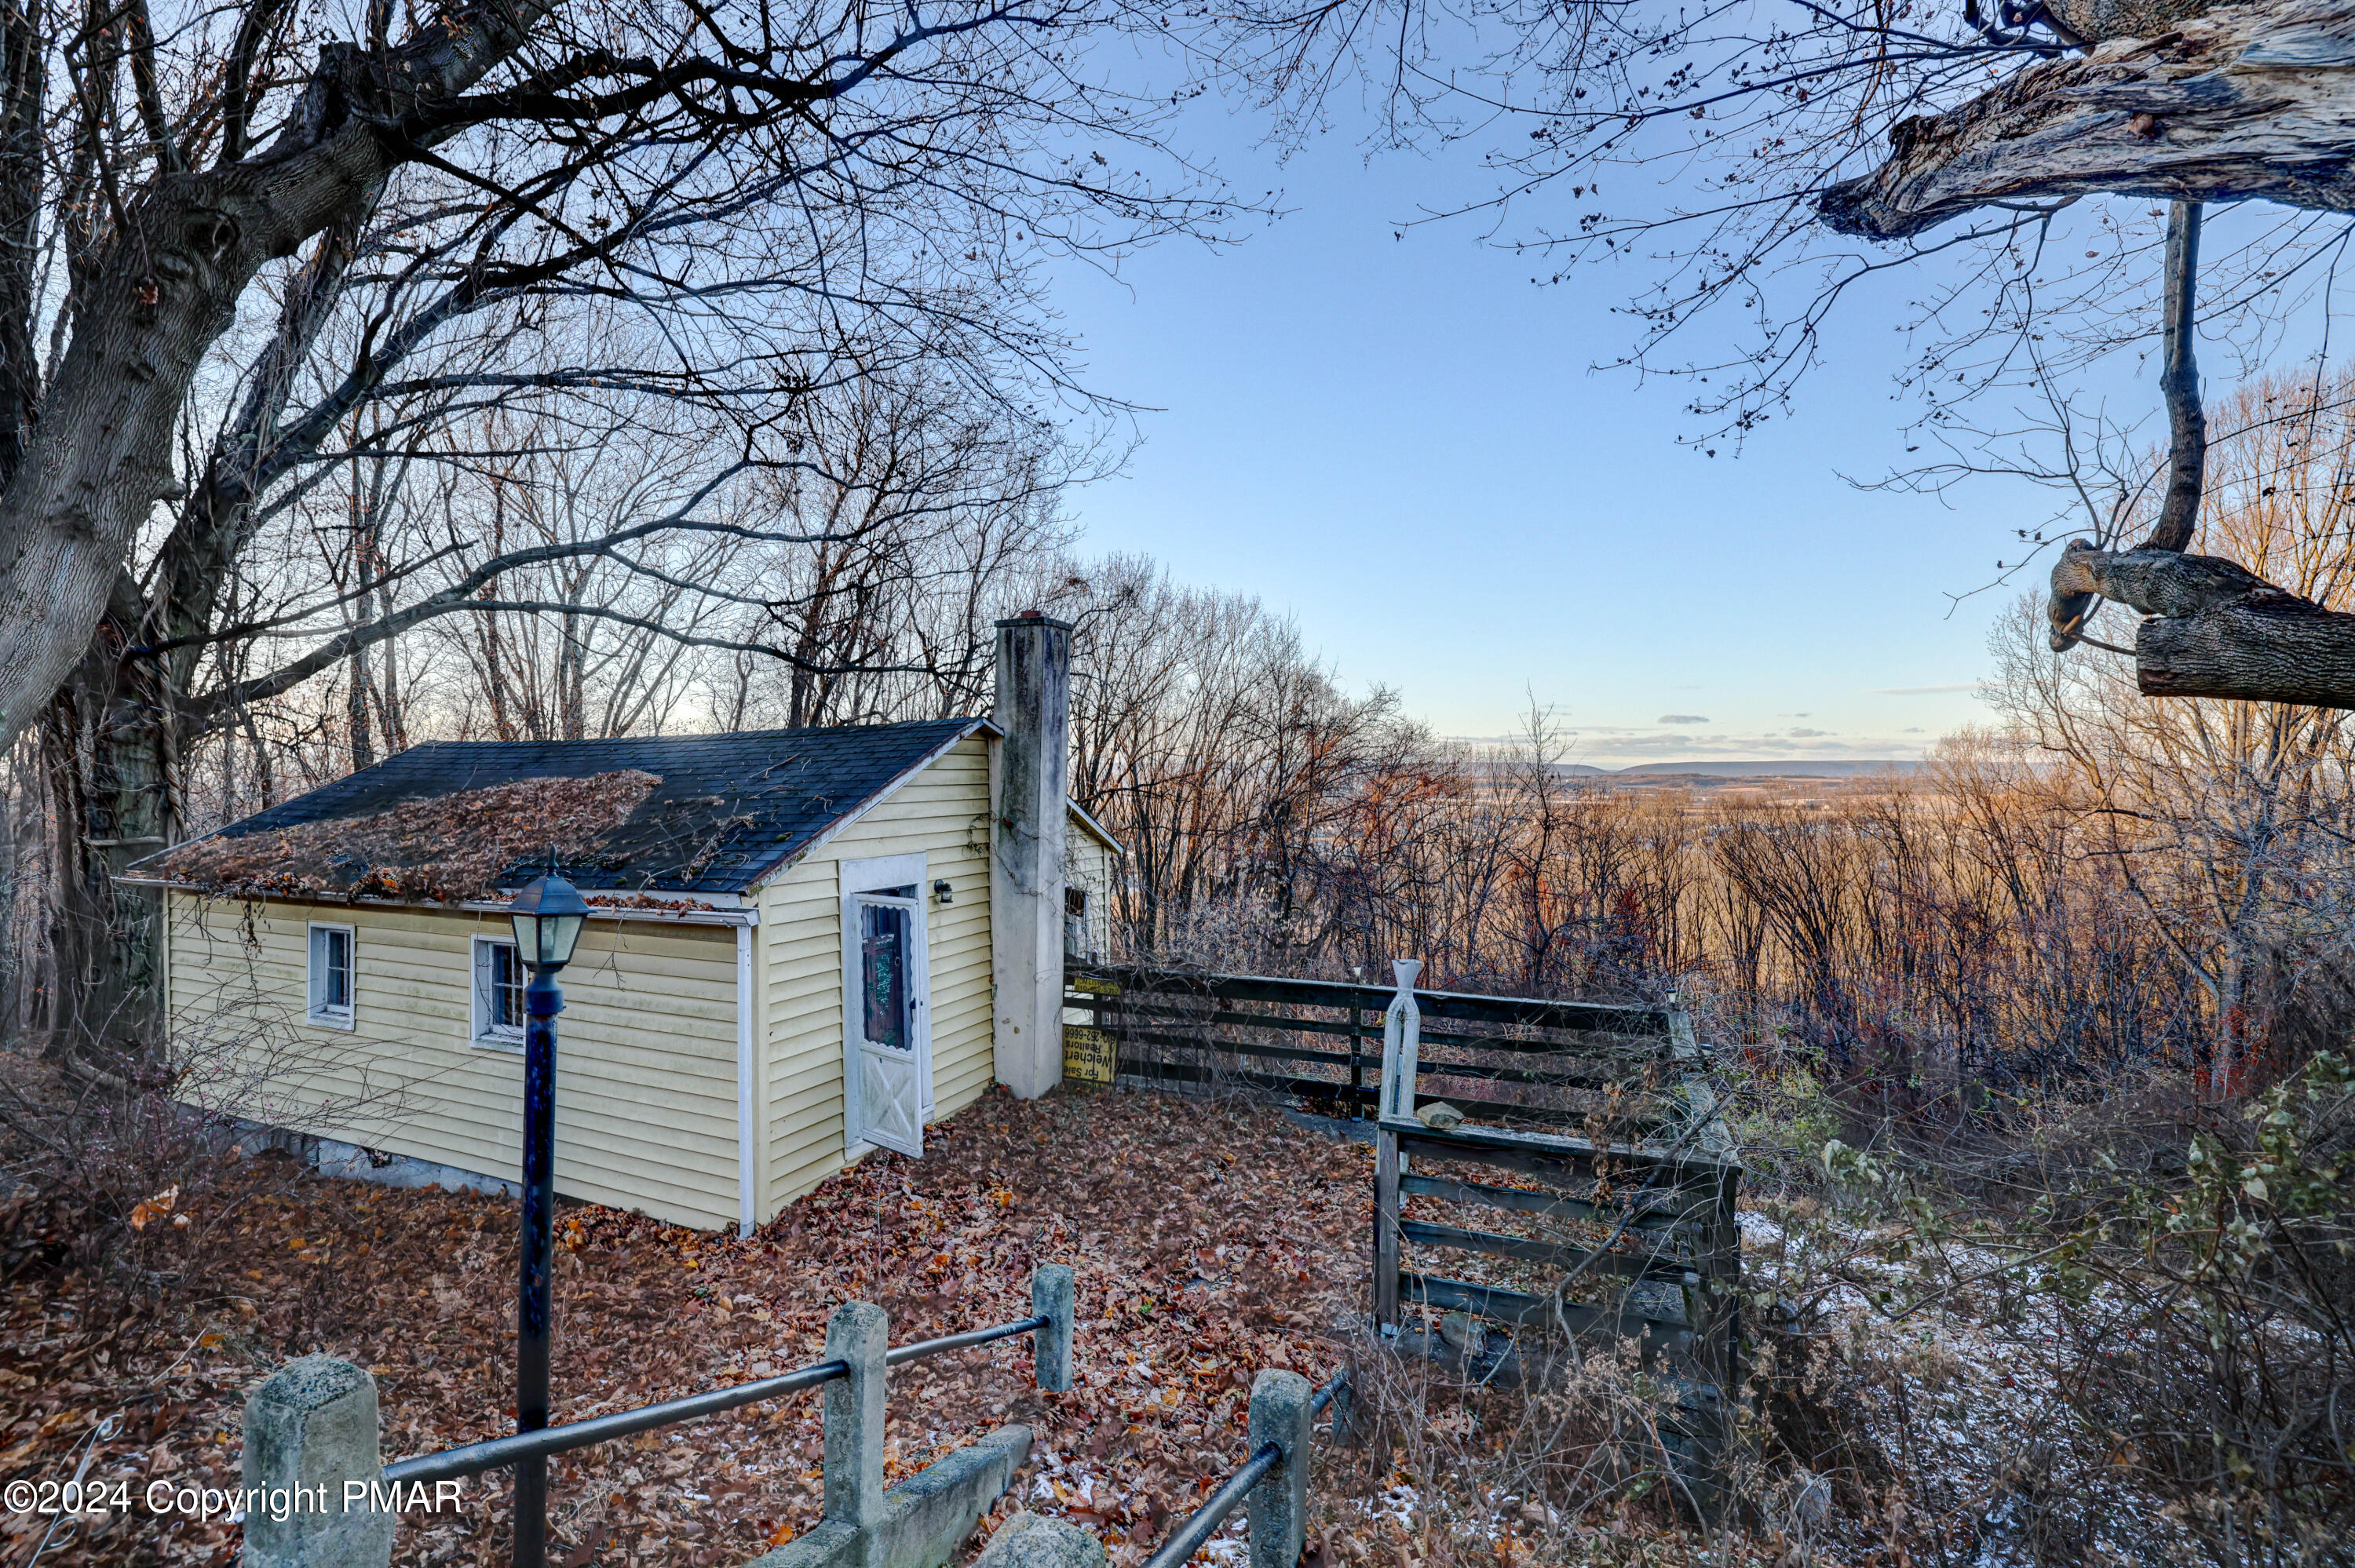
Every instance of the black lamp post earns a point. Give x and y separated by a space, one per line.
548 917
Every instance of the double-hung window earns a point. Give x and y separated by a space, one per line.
499 979
331 975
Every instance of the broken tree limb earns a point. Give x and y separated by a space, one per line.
2216 630
2252 99
2075 591
2263 651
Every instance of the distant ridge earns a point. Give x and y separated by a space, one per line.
1792 768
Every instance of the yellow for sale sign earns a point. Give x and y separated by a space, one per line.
1088 1055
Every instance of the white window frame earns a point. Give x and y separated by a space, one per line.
316 1006
482 1031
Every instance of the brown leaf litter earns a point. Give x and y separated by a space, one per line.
1208 1242
448 849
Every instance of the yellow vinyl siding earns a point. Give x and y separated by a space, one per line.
942 813
645 1100
1087 865
647 1089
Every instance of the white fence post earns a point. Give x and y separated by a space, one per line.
1402 1041
1401 1045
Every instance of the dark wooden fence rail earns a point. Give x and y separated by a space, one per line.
1608 1109
1560 1064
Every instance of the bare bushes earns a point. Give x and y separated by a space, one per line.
2209 1297
114 1156
1461 1461
1927 941
2106 1329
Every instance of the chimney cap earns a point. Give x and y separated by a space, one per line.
1034 618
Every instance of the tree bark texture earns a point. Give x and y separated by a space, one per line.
2216 630
2251 100
2178 382
188 248
108 748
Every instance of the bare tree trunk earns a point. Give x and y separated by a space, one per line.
2179 384
148 308
114 793
361 525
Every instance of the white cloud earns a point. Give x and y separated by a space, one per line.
1808 734
1920 691
1616 750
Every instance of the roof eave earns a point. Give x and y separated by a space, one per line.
787 861
1103 834
734 911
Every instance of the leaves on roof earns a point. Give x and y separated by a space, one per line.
445 848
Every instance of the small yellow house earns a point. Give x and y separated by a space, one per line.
792 957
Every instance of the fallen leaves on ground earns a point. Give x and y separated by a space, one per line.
1208 1241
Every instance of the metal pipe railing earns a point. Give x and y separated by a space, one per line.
1203 1522
924 1347
476 1458
499 1452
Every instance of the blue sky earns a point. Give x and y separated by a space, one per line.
1398 441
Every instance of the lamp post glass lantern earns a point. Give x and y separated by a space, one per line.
548 917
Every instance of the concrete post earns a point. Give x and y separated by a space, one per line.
1029 1541
1032 792
1279 1504
309 1429
856 1334
1050 1347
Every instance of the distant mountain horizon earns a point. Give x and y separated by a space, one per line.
1786 768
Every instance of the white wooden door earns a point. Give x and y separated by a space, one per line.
887 1034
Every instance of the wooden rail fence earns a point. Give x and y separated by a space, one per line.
1593 1126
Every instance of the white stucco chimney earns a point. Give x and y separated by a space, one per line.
1029 787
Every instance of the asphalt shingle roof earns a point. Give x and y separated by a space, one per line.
730 807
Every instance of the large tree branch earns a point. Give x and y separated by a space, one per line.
2179 383
166 288
2255 99
222 706
2217 630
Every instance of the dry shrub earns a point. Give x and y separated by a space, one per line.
2208 1289
107 1151
448 849
2088 1332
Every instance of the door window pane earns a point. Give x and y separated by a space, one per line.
883 974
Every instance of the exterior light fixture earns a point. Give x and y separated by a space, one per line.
548 917
941 894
